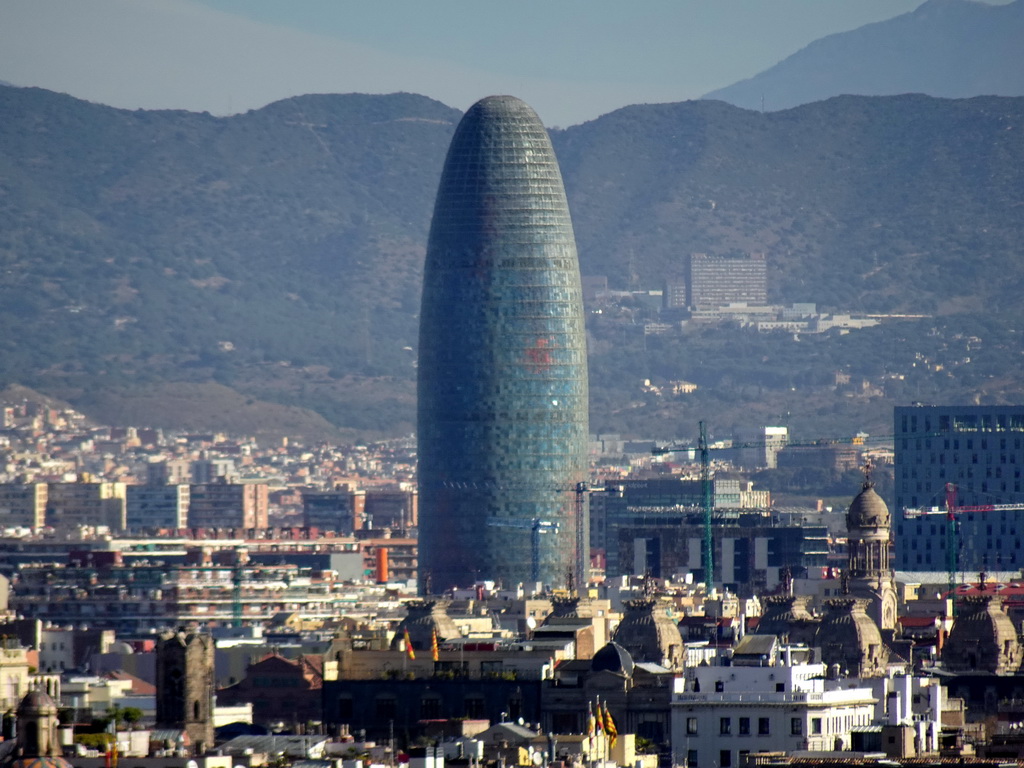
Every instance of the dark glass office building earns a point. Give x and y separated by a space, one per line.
502 361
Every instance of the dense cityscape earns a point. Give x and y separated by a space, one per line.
351 417
506 587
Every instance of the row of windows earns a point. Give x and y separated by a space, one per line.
968 444
1000 560
940 530
940 461
963 422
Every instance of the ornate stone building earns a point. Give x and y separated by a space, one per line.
424 618
36 745
869 573
850 640
649 634
788 617
184 686
983 638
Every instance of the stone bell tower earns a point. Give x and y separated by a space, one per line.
184 686
869 572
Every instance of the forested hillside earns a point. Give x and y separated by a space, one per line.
278 253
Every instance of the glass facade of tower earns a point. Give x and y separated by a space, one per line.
502 390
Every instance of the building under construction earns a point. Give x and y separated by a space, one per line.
657 526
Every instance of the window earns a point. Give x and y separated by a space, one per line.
780 687
724 726
691 726
387 708
719 686
744 726
796 726
430 707
763 726
725 759
474 707
815 725
345 709
691 758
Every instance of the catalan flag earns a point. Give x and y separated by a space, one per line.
591 722
409 651
609 726
599 718
433 646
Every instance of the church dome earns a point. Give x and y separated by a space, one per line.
849 638
649 634
40 761
36 703
983 638
787 616
613 658
868 510
424 620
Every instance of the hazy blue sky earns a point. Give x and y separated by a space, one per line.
573 60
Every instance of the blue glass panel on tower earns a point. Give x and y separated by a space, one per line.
502 390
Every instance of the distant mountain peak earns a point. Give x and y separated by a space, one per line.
944 48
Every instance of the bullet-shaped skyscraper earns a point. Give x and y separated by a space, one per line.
502 420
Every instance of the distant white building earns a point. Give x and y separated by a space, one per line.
720 714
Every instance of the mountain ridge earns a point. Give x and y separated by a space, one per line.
943 48
278 253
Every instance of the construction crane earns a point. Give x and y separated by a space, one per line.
953 539
581 561
704 450
708 549
537 528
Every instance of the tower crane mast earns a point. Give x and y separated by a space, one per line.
537 527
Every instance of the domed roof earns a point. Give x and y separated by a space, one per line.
867 509
423 620
41 761
612 658
649 634
570 608
787 616
983 638
848 637
36 703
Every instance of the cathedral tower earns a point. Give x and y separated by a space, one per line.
184 686
869 572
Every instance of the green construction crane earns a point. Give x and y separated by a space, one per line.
708 550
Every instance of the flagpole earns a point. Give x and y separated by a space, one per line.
590 733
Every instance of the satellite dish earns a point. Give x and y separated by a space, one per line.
191 764
531 622
521 721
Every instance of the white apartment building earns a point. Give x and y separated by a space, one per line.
721 713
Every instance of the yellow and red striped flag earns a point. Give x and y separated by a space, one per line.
609 726
600 718
433 646
409 651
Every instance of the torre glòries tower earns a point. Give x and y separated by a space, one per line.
502 389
